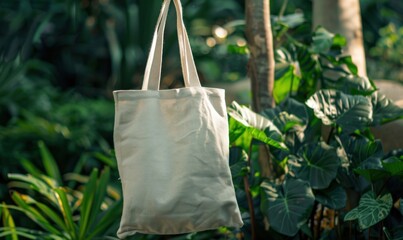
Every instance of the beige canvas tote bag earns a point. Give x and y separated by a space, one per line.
172 149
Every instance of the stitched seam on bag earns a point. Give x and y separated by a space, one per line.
170 93
120 98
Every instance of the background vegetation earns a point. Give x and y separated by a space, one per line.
60 61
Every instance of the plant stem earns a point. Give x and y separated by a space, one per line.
381 230
313 213
282 10
330 134
292 83
320 220
274 173
248 194
383 186
338 232
250 205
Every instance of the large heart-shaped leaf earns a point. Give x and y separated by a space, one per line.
287 206
323 41
308 63
348 111
350 84
238 161
384 109
359 149
372 169
371 209
244 121
334 197
290 115
316 163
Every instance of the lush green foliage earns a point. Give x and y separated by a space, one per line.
316 169
88 211
388 50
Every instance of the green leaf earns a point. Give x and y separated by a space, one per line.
290 20
372 170
316 163
339 40
384 109
370 210
245 121
323 41
45 210
238 161
106 219
49 163
359 149
28 233
286 82
288 205
65 208
8 221
87 202
393 165
33 213
348 61
235 49
308 64
350 84
36 184
334 107
108 160
99 197
290 115
334 197
352 215
30 168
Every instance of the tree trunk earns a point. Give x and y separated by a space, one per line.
261 65
343 17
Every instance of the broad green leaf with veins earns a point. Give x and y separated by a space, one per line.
334 197
351 112
287 206
384 109
316 163
244 121
370 210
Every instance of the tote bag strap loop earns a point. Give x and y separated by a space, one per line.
152 73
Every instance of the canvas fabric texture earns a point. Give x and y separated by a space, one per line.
172 149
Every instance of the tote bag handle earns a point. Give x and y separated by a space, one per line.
152 75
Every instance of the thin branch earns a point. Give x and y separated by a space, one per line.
249 195
250 206
330 134
383 186
282 10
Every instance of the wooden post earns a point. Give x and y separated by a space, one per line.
261 65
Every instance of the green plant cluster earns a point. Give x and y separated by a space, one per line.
390 46
325 167
388 51
55 205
